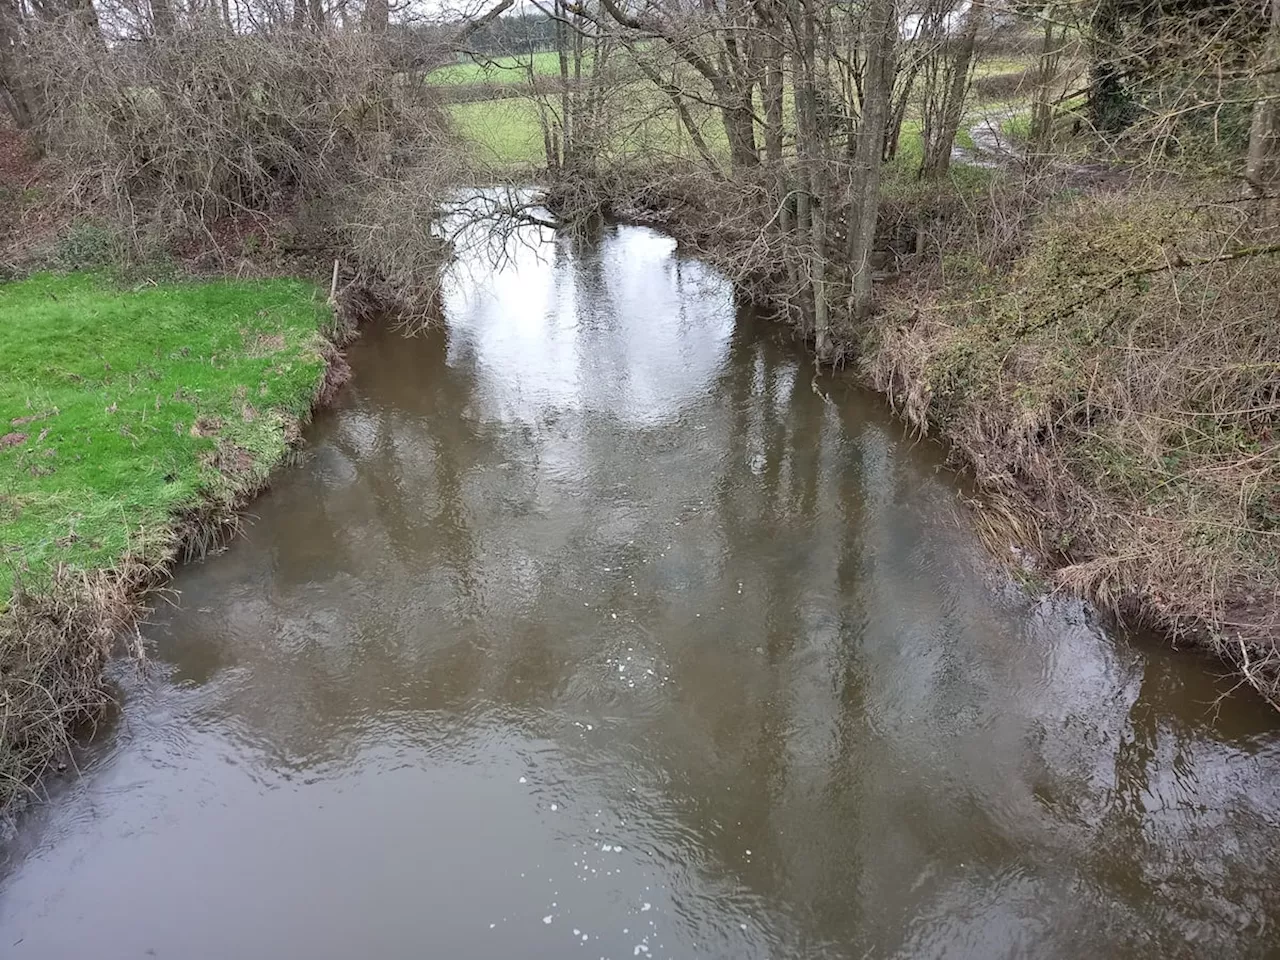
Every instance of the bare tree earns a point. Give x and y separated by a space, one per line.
944 110
1262 164
725 66
15 89
881 40
162 18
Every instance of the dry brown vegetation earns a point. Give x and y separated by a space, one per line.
53 645
248 151
1111 376
207 124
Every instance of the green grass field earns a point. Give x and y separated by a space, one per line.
121 409
510 69
506 133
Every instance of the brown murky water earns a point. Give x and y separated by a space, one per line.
593 626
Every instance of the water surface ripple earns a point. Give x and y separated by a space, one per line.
594 625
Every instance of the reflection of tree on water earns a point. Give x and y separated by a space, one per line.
1174 801
835 714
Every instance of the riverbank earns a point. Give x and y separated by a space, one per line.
1108 373
136 420
1099 353
591 564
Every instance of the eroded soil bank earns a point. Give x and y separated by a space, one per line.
594 613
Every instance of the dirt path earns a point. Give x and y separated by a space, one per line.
992 148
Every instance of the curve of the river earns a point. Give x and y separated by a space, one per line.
593 625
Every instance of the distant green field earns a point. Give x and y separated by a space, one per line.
510 69
507 134
999 66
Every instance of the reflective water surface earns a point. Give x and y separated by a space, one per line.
594 625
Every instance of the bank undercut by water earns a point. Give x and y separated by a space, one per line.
135 422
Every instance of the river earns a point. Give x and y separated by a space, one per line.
593 624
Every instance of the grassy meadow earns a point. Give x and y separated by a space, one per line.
125 408
505 129
512 69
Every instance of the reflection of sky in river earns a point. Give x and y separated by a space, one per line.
550 331
586 616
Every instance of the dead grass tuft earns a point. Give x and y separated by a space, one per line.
54 640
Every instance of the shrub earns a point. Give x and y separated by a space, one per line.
182 130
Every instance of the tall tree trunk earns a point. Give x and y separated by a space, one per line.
1046 75
1108 99
898 114
735 36
725 73
939 141
377 16
811 212
20 97
566 104
682 109
739 125
771 92
1262 165
86 17
162 20
15 94
881 38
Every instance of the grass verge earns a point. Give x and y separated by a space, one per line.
134 422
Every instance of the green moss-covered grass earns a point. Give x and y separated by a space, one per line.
123 408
